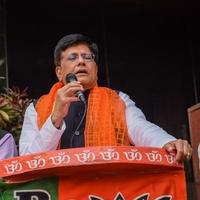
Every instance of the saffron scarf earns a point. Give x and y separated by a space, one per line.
105 119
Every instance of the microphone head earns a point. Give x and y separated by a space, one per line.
70 77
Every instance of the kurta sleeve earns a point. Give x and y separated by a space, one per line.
142 132
33 140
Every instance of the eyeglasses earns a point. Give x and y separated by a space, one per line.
87 57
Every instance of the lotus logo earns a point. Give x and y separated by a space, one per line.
145 196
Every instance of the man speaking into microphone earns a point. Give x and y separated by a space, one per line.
77 112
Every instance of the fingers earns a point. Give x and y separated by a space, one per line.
179 150
67 93
170 147
71 89
64 97
188 151
181 147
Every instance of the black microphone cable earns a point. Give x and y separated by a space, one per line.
76 132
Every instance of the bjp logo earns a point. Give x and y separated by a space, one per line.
145 196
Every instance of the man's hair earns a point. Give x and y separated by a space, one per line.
73 39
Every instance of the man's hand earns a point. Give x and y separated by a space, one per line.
182 149
64 97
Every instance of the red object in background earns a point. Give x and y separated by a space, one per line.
194 124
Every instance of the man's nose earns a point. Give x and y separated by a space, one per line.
81 59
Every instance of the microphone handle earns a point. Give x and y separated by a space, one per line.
80 95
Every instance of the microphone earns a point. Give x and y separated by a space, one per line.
70 78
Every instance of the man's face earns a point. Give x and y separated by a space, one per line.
79 60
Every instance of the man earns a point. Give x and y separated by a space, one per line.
58 119
8 148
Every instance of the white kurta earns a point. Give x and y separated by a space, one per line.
140 131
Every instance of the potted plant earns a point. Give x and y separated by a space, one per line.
13 103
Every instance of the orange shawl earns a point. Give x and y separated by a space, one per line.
105 119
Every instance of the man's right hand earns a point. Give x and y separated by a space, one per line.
64 97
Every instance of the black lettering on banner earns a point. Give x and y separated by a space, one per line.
32 195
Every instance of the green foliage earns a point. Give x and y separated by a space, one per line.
13 103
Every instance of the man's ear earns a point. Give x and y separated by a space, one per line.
58 71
